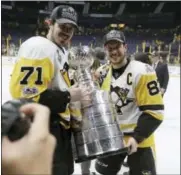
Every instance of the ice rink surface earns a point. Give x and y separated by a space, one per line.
167 136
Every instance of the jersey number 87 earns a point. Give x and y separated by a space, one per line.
153 88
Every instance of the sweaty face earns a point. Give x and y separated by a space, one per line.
62 33
116 51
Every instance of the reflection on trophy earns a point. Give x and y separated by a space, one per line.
99 134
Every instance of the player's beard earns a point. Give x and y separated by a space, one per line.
65 38
61 39
117 61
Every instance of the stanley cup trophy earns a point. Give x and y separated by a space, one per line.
99 134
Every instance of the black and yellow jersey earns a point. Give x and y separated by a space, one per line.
43 66
137 98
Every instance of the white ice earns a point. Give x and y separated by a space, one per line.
167 136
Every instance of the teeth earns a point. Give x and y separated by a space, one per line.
65 37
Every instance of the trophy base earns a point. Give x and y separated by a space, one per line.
107 154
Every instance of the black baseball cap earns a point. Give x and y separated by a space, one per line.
64 14
114 35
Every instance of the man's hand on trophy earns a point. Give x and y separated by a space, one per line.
75 93
96 75
86 99
132 145
80 93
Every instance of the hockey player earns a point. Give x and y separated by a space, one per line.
41 73
134 89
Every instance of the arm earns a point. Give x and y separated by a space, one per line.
146 125
150 103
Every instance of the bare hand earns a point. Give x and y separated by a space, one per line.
132 145
32 154
80 93
96 75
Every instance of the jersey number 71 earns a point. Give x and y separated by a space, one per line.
29 71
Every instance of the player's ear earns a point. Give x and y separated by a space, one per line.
126 47
49 23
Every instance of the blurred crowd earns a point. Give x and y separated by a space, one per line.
140 40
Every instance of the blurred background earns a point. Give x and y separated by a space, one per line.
148 26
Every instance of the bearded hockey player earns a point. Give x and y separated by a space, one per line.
136 94
41 73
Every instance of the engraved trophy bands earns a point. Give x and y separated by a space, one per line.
99 134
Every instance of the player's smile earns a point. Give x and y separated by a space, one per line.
115 56
64 36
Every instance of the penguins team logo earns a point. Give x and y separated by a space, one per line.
64 73
69 13
122 100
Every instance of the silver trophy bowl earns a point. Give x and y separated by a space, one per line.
81 57
99 134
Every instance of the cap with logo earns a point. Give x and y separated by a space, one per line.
64 14
114 35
